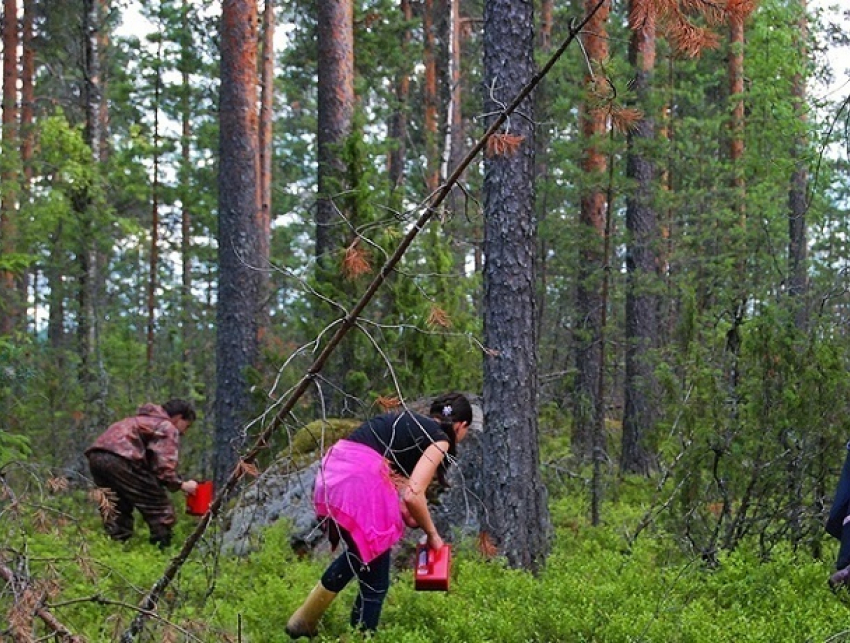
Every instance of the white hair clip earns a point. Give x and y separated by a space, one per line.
447 410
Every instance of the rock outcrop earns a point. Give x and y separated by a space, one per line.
284 491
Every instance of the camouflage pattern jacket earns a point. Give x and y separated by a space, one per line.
149 439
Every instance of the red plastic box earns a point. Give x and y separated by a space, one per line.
433 568
197 503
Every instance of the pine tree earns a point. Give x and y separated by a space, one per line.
515 498
336 105
10 301
238 232
589 301
640 410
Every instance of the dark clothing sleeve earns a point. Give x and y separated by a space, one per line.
400 437
841 502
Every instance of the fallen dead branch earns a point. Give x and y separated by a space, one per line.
29 603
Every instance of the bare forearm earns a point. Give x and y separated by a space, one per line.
418 508
414 494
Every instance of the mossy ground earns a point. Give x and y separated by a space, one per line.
593 588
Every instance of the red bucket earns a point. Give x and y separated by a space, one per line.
433 568
198 503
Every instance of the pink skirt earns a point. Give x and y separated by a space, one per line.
354 488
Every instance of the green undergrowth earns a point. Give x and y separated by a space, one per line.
593 589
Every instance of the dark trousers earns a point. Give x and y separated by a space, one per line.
838 512
374 581
843 559
131 487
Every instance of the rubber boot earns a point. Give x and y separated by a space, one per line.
305 620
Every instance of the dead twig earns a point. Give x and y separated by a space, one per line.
32 602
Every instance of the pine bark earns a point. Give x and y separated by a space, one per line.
458 205
735 77
10 304
589 301
264 213
154 251
456 136
27 142
185 169
515 498
432 99
398 119
542 140
454 112
335 119
238 234
27 93
736 125
798 191
642 258
57 295
103 40
81 201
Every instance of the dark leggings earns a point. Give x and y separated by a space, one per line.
374 580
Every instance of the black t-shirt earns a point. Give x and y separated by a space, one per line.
400 438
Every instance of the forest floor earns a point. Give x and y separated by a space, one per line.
596 586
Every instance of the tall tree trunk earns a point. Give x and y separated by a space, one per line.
398 119
27 93
186 298
154 252
454 112
736 124
10 304
238 236
642 255
515 498
430 125
455 146
27 133
541 168
735 69
589 366
797 255
92 374
335 116
92 95
797 194
666 135
264 213
102 153
57 293
102 37
457 203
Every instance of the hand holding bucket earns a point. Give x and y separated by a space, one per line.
198 503
433 568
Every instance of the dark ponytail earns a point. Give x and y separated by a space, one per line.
448 409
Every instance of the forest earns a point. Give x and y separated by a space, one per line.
620 226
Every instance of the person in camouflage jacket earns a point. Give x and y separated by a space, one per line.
135 461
